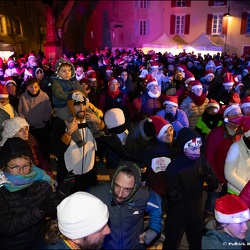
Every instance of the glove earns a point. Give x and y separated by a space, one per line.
149 236
170 117
68 182
77 96
49 204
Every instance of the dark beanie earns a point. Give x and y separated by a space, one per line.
13 148
149 128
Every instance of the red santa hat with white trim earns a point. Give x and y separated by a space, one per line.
244 122
245 102
231 209
188 77
3 91
150 80
214 104
8 80
234 99
160 124
208 73
109 69
171 100
92 76
228 79
196 84
154 65
111 80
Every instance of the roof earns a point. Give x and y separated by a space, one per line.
161 42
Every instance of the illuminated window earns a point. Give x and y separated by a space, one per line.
142 28
218 3
217 24
180 24
181 3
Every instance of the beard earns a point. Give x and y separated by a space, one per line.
87 244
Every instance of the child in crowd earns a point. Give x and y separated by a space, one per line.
35 106
64 86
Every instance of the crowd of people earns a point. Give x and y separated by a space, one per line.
167 128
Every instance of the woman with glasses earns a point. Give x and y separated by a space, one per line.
27 197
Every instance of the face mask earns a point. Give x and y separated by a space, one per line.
192 156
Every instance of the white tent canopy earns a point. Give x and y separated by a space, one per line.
6 47
203 43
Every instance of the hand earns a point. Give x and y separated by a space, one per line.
68 182
170 117
49 204
90 117
71 126
77 96
148 236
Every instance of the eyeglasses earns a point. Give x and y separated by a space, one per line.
17 168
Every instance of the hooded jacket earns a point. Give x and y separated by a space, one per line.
126 219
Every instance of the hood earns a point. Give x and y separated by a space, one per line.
185 135
58 64
137 175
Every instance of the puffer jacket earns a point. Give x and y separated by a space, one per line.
21 222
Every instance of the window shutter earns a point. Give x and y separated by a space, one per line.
148 4
243 27
210 3
172 24
188 3
187 24
224 26
173 3
148 28
209 23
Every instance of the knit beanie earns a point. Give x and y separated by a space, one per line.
13 148
81 214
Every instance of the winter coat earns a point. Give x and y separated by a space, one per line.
221 240
237 166
21 222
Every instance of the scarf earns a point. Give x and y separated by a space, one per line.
198 100
113 94
33 95
19 182
152 95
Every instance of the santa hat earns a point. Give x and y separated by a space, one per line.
188 77
193 143
215 104
109 69
79 69
31 55
45 63
182 67
150 80
244 122
154 65
81 214
227 108
8 80
196 84
234 99
218 65
228 79
112 80
237 85
11 127
10 60
245 102
171 100
90 69
141 67
3 91
246 70
208 73
92 76
231 209
143 74
160 125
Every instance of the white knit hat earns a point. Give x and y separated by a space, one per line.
11 127
81 214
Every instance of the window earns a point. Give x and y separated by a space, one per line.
248 24
143 4
217 3
217 24
8 26
180 3
142 28
245 23
16 27
179 24
1 24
